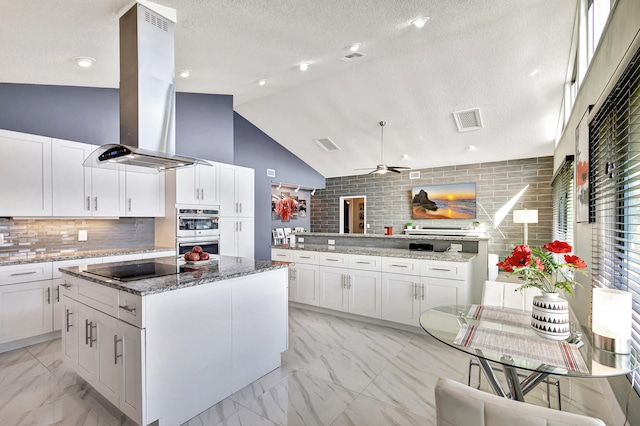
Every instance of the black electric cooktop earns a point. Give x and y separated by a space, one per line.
135 271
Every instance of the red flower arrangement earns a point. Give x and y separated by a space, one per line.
285 208
541 270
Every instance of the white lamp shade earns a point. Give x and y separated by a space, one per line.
611 313
525 216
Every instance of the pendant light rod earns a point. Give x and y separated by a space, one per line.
382 124
282 185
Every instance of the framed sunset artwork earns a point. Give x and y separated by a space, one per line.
450 201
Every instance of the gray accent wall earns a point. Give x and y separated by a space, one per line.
253 148
388 199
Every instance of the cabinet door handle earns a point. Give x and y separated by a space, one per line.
343 281
95 203
48 295
23 273
415 291
69 325
422 291
400 266
237 211
115 349
88 203
240 210
202 193
129 309
197 193
91 339
349 281
129 204
87 324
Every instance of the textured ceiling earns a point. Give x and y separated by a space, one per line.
508 58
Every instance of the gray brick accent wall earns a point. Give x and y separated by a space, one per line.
388 199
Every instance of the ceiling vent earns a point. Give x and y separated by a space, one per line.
327 144
351 56
468 120
414 175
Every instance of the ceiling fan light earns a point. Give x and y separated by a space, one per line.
420 22
354 47
84 61
303 66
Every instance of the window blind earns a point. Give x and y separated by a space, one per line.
562 193
614 177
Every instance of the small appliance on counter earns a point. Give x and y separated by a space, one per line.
421 246
388 230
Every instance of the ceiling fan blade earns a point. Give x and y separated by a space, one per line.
397 167
391 169
364 168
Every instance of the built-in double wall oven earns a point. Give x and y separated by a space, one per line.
198 227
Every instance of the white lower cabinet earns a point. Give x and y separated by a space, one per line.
401 297
304 278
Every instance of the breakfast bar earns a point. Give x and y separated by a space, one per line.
163 340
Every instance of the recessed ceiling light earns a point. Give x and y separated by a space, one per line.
184 73
354 47
84 61
419 22
534 72
470 147
304 66
262 82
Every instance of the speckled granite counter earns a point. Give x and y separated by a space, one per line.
225 268
53 257
482 237
387 252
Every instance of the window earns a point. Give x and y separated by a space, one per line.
614 175
597 15
562 193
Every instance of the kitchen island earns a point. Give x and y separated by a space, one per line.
165 348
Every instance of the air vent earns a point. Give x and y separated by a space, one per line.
327 144
414 175
156 21
271 173
352 56
468 120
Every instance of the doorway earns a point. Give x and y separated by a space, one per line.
353 214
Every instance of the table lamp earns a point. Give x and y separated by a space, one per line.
526 217
611 320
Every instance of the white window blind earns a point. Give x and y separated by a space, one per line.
562 192
614 176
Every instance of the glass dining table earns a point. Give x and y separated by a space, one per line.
499 335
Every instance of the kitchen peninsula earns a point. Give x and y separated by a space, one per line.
164 341
392 278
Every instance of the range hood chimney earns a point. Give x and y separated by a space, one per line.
147 94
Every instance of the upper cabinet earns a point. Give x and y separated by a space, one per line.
25 174
83 191
198 185
236 191
144 194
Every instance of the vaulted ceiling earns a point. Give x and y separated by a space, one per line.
507 58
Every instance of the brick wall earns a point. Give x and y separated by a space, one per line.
388 199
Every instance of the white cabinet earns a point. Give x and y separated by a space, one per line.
69 330
144 194
129 353
26 301
25 174
83 191
198 185
401 295
237 237
304 278
60 286
236 191
281 255
356 290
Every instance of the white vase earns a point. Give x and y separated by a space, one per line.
550 316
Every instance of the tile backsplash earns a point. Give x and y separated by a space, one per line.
25 238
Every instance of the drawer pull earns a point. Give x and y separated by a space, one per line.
305 257
333 260
65 285
23 273
441 269
400 266
129 309
115 349
363 263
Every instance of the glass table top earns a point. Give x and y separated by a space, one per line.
445 323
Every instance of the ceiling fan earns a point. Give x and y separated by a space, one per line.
382 168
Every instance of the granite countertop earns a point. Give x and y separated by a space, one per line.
480 237
57 256
387 252
225 268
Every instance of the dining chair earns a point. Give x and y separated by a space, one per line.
506 295
460 405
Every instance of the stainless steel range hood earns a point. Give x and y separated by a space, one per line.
147 94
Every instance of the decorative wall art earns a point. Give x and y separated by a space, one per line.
452 201
581 175
285 206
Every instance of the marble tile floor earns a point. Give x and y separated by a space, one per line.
337 371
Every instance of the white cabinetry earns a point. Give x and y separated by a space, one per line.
26 301
61 287
25 174
236 211
236 191
198 185
144 194
304 278
355 289
83 191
